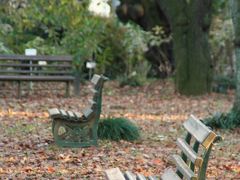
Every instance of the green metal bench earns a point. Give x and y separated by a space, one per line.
79 129
193 161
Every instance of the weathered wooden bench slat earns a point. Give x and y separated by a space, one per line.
35 72
169 174
55 113
189 152
36 58
129 175
201 132
63 113
79 115
114 174
92 102
141 177
36 78
183 168
152 178
37 65
94 91
71 116
96 78
87 112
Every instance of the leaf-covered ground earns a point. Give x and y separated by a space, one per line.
27 149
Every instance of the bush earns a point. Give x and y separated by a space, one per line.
67 27
223 83
224 121
118 129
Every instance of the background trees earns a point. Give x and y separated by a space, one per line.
173 41
190 22
67 27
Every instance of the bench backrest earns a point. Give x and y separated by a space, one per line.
22 65
96 102
195 150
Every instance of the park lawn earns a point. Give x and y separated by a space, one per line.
27 149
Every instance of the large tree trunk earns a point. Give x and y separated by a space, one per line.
190 22
235 7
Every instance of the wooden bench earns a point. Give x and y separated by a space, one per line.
191 164
79 129
36 68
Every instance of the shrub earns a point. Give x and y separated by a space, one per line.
224 121
223 83
118 129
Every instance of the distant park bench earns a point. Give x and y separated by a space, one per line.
193 161
79 129
36 68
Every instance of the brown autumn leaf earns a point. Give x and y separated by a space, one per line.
157 162
50 169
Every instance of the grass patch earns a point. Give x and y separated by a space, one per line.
118 129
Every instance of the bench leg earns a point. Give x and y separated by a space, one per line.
19 89
67 89
77 84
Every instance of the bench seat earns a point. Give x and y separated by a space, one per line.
61 114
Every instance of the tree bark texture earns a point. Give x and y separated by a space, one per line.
235 8
190 22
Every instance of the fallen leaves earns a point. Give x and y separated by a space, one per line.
233 167
27 149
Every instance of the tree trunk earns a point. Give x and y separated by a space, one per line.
190 22
235 8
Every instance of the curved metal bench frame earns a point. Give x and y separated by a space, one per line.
79 129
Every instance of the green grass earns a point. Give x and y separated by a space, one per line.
117 129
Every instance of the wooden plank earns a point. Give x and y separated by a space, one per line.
129 175
94 91
78 115
54 113
183 168
169 174
114 174
36 65
141 177
200 132
65 58
87 112
71 116
92 102
189 152
63 113
36 71
95 79
152 178
36 78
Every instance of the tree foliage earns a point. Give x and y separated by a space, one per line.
67 27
